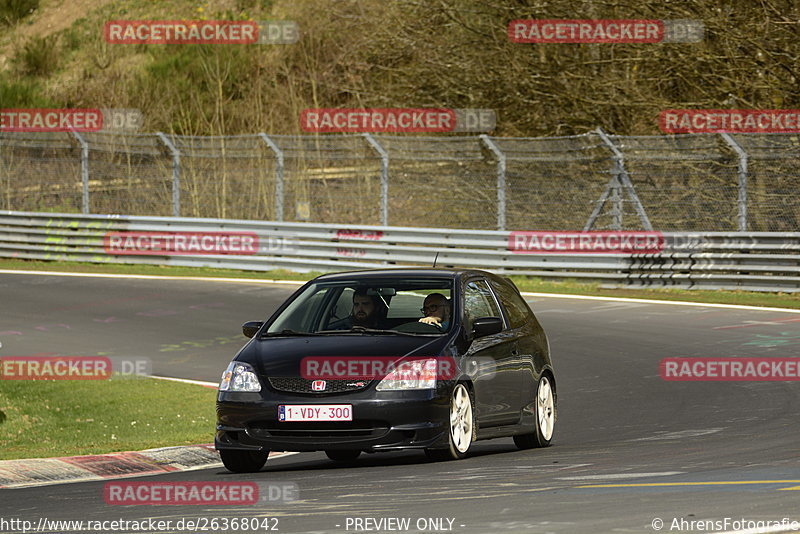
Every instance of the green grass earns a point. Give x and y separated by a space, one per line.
40 419
39 56
12 11
22 95
779 300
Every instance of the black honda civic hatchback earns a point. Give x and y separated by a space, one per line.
384 360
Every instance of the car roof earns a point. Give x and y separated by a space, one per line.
407 272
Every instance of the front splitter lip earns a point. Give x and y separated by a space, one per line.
415 436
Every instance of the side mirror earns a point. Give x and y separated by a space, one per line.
250 328
485 326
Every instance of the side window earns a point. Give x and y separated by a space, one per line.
344 304
479 302
516 309
300 314
338 309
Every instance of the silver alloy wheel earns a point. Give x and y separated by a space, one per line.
461 419
546 409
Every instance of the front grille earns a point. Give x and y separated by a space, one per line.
301 385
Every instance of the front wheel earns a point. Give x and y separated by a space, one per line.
243 461
545 418
462 427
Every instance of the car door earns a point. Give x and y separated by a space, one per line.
528 335
497 379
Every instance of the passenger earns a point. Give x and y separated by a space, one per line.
436 309
366 309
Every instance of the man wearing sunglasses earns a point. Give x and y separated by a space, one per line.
436 309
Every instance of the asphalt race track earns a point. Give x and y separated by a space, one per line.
630 449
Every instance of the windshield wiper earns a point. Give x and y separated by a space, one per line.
288 332
365 330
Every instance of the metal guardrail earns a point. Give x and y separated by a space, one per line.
755 261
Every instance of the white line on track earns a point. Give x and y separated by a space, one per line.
187 381
298 283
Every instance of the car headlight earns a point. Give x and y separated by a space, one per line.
413 374
239 376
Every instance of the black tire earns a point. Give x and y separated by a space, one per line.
243 461
545 404
343 456
462 434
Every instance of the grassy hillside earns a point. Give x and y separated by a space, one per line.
379 53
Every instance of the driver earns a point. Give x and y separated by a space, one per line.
367 311
436 308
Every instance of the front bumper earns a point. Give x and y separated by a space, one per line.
381 421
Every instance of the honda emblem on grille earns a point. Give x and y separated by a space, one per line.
318 385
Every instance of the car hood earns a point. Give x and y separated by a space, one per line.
281 356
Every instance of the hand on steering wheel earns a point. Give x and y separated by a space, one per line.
433 321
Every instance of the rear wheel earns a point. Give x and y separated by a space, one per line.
243 461
343 456
545 418
462 427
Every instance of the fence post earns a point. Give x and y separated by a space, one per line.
384 177
279 161
501 180
84 171
742 201
616 201
623 179
176 174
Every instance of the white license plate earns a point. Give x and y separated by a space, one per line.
315 412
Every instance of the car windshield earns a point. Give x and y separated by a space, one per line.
385 306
